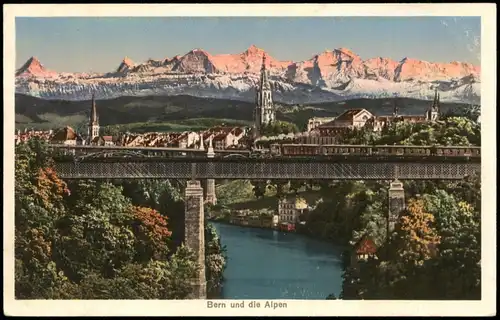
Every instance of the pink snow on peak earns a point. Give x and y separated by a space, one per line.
347 52
337 65
410 68
248 61
33 67
128 61
126 65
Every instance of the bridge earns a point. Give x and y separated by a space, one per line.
260 169
144 163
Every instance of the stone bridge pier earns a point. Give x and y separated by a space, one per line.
396 202
211 198
194 234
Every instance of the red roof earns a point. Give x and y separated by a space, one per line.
237 131
66 133
366 246
220 129
107 138
348 114
220 136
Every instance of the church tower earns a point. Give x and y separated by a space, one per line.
264 108
93 127
433 112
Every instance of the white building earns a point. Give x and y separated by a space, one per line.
315 122
289 209
349 119
433 113
187 139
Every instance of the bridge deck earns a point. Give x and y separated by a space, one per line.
247 169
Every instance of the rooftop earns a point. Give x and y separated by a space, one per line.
349 114
366 246
66 133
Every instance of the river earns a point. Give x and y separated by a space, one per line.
268 264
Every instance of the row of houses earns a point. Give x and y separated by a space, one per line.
23 136
223 137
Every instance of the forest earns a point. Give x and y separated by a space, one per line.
101 240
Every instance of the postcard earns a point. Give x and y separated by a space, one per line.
176 160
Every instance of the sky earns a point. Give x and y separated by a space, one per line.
98 44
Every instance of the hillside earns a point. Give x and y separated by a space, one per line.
170 112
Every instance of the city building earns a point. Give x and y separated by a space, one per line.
315 122
264 108
431 115
358 118
365 248
348 120
433 112
289 209
224 137
67 136
187 139
103 141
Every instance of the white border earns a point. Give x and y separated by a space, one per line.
486 306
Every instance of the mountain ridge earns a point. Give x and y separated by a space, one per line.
337 74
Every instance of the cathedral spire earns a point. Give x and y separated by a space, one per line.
93 127
264 109
436 99
395 109
264 79
93 111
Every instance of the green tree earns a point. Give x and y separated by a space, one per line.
279 127
458 269
93 242
215 258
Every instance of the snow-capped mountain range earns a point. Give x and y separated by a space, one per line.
329 76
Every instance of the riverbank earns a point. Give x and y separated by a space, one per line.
250 226
300 230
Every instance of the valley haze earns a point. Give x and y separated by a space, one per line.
329 76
